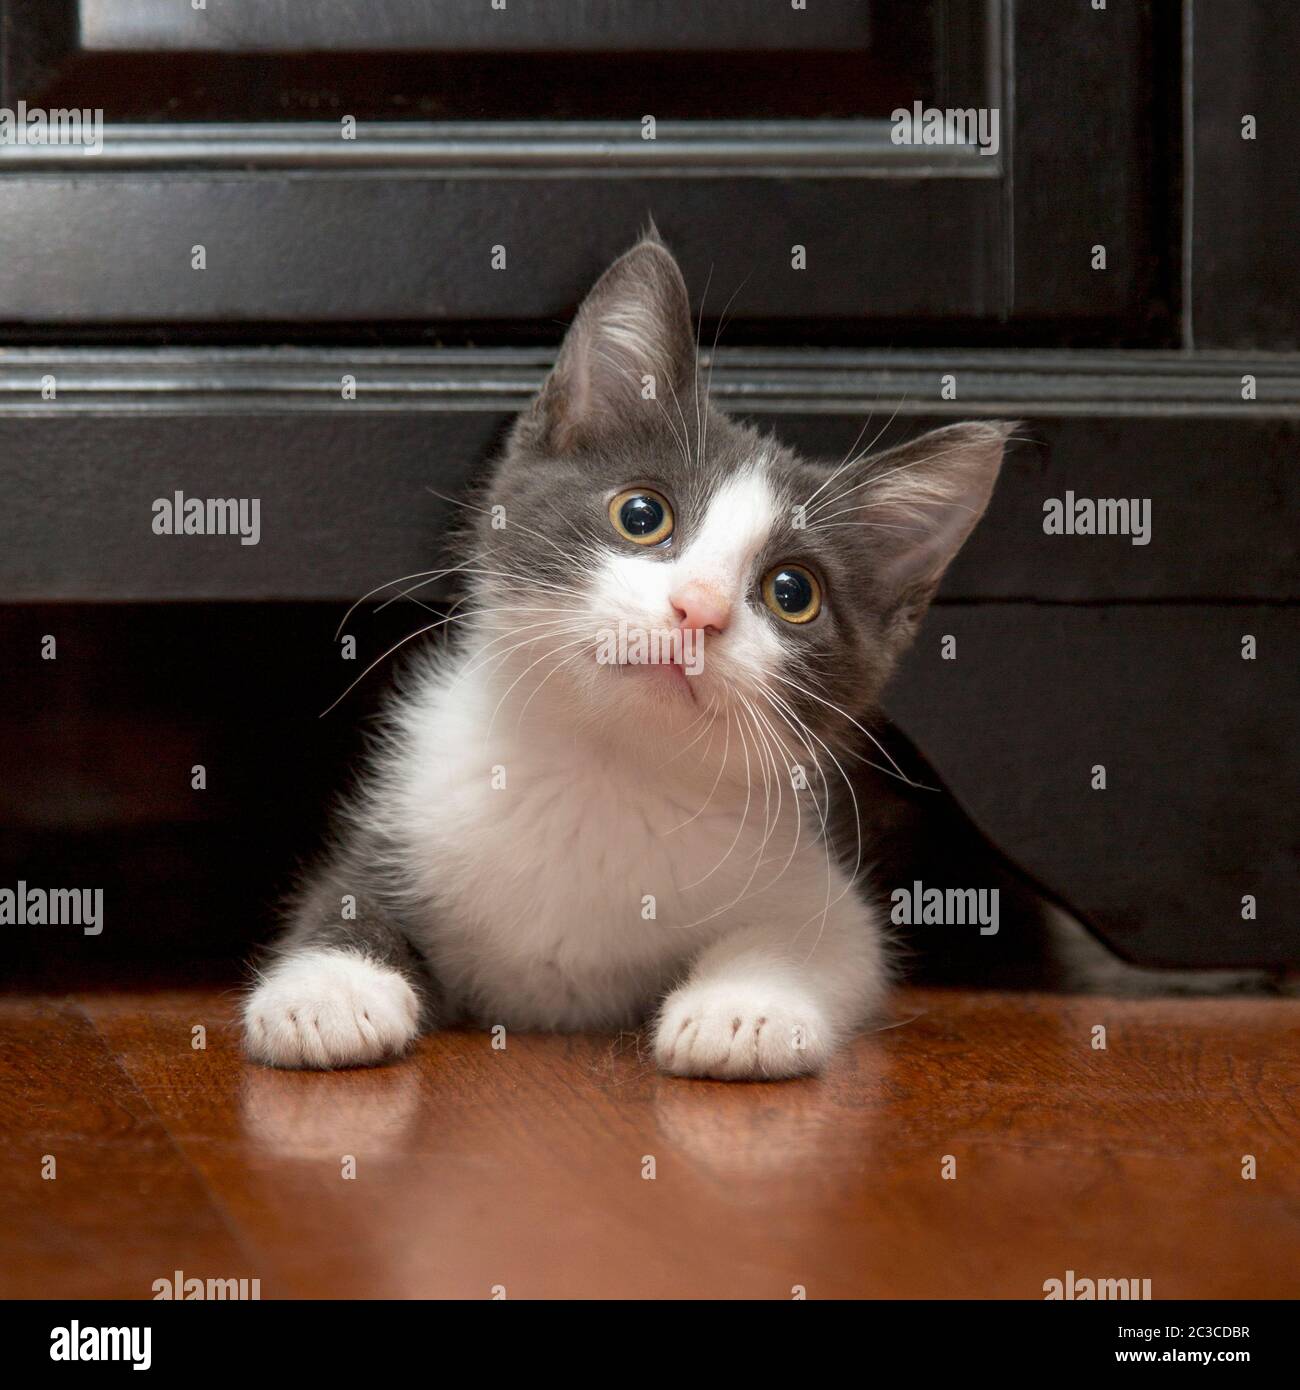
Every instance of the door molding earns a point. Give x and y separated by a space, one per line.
183 381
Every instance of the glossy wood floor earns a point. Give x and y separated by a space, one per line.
528 1168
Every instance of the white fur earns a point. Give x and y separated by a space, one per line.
533 893
324 1008
720 555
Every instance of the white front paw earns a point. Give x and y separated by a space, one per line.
740 1033
329 1009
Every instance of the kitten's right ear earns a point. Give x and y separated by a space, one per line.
632 336
917 504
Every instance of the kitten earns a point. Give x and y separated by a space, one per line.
619 793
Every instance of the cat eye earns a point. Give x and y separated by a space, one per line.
642 516
792 593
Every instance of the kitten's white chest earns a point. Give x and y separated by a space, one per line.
569 891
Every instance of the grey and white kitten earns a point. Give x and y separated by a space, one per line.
623 791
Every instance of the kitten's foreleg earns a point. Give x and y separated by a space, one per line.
340 990
774 1000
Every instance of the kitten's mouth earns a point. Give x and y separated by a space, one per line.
671 675
671 657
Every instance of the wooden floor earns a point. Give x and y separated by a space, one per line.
527 1168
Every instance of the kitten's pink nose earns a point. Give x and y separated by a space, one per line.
700 605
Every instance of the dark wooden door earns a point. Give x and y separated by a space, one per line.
500 160
402 169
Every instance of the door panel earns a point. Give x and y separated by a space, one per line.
773 168
500 161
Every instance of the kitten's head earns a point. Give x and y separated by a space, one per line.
634 533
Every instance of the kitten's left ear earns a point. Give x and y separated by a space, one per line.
920 502
632 334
